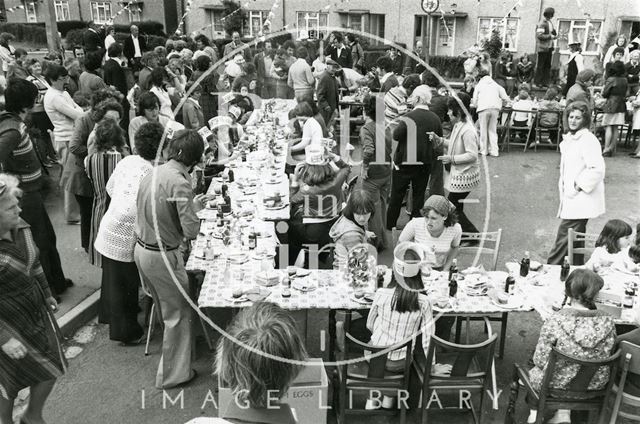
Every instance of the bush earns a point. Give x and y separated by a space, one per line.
27 33
74 38
65 26
449 68
493 45
146 28
236 15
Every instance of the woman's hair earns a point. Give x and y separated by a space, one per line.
613 230
157 76
616 69
203 62
624 37
303 109
5 37
146 101
264 328
551 94
525 56
582 107
449 221
360 202
583 285
186 147
32 61
148 57
104 94
92 61
101 109
147 140
407 300
585 75
12 186
370 106
109 134
316 174
454 106
20 95
55 71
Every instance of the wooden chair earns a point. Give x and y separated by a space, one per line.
364 376
576 396
630 362
495 239
511 129
503 120
473 369
580 239
540 130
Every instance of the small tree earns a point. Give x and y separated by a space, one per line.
235 16
493 45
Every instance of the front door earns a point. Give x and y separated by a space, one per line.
445 37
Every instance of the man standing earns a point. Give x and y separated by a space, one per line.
357 53
545 33
413 66
134 46
339 52
414 154
17 157
328 91
301 77
166 218
235 44
92 40
114 76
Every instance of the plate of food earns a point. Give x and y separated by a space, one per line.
303 285
443 303
236 296
362 297
268 278
506 301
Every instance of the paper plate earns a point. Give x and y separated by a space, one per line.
514 303
363 300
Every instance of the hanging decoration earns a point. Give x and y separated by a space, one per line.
126 7
187 10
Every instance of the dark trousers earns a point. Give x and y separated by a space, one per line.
436 179
400 181
86 209
543 68
561 247
455 198
119 299
34 213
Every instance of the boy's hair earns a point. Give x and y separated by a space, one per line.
523 95
551 94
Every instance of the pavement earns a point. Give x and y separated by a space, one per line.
108 383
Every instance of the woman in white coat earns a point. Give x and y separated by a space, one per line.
581 182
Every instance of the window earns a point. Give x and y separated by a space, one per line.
365 22
135 12
100 12
314 23
256 22
578 29
30 11
508 29
62 10
355 21
215 21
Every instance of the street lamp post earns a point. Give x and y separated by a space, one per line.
429 6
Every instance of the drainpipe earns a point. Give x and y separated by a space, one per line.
80 11
283 15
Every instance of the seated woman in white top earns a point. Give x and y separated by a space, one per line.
311 130
437 231
614 237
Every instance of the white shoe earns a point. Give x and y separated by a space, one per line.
562 416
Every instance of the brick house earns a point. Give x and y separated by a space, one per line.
167 12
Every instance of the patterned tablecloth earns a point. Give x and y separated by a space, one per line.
544 290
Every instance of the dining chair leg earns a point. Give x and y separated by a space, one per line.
503 333
152 320
514 388
458 329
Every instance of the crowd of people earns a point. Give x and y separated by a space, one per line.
113 113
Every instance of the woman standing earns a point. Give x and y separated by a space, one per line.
208 99
574 65
30 344
109 141
615 108
116 239
157 86
203 44
6 52
581 182
462 173
90 81
621 42
39 117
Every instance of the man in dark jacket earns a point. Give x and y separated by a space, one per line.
134 47
114 75
92 41
327 91
545 33
414 154
339 52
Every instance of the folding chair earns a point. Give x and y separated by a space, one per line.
511 129
630 362
577 244
541 130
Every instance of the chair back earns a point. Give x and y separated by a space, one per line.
489 245
578 387
541 112
577 244
633 350
464 356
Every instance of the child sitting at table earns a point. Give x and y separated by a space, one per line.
525 104
400 311
255 378
579 330
614 237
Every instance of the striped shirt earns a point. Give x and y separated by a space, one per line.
17 155
389 327
393 100
416 230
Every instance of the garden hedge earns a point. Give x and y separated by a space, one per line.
74 38
26 33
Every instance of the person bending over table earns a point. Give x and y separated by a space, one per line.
30 343
581 182
579 330
312 132
166 218
266 329
316 198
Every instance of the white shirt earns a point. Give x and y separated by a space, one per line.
312 132
62 112
488 94
116 237
165 101
108 41
416 231
579 60
136 47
